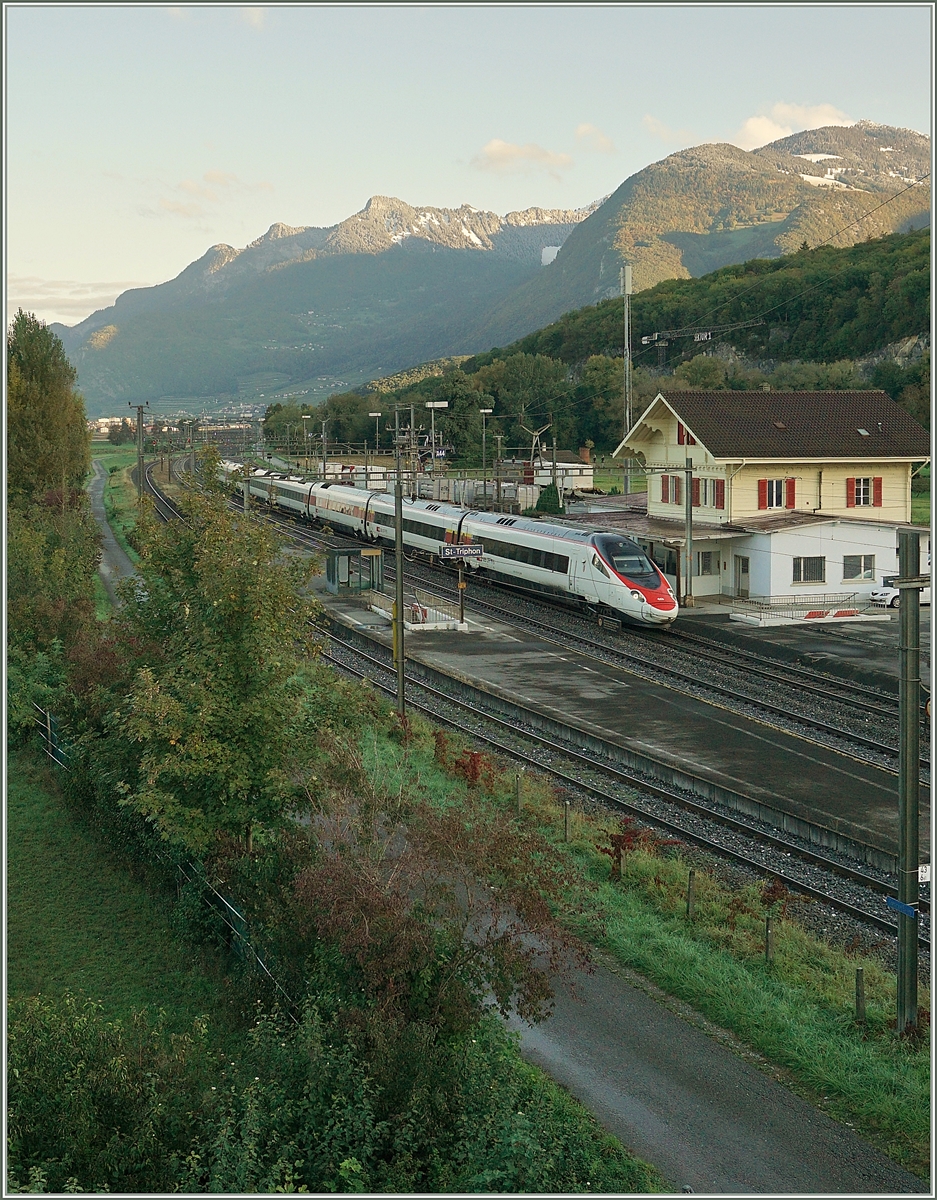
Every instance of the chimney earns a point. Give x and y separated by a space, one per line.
585 454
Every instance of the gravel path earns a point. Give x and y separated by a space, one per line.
115 564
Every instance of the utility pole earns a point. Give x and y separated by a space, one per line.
139 408
688 601
398 553
555 488
486 413
909 787
325 453
626 296
498 438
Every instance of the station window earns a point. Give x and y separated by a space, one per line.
864 491
775 493
705 564
810 570
858 566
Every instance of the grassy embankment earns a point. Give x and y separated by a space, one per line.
78 922
797 1011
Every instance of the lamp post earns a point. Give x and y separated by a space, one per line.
432 405
377 430
398 582
688 601
306 417
486 413
325 453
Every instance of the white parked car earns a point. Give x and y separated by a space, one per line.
890 597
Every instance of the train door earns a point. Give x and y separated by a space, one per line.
742 564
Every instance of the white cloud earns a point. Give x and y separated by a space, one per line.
181 210
224 188
664 132
253 16
784 119
507 158
64 300
594 139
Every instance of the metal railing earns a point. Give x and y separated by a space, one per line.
819 604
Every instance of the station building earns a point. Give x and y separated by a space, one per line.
793 493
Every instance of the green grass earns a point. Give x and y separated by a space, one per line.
920 510
797 1012
102 601
77 921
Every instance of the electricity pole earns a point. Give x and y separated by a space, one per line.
486 413
688 601
626 296
909 786
499 437
325 453
398 552
139 408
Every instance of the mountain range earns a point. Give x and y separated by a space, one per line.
307 311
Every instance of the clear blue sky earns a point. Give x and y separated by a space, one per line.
137 137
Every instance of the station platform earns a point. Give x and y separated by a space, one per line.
779 770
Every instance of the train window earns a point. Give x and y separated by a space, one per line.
627 558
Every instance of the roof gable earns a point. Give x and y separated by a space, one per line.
789 425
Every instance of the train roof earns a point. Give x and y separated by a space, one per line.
453 512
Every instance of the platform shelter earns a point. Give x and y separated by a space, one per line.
353 569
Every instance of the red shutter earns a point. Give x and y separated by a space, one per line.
696 493
690 439
720 493
877 491
762 493
851 492
790 493
677 489
681 435
665 489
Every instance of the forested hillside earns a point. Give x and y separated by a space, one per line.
829 314
817 305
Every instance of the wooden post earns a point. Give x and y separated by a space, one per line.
769 940
691 896
566 821
860 995
517 786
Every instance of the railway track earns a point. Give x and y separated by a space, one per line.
605 651
504 737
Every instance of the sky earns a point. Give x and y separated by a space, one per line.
139 136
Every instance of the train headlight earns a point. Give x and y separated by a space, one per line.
637 595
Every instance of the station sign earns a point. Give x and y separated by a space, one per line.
898 906
461 551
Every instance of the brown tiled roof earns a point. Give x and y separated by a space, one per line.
800 424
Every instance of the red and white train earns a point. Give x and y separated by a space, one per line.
589 568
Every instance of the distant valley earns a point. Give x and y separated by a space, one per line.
305 312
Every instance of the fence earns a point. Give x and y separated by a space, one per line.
190 872
804 608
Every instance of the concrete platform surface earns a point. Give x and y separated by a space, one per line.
776 768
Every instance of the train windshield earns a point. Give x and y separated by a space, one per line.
627 559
